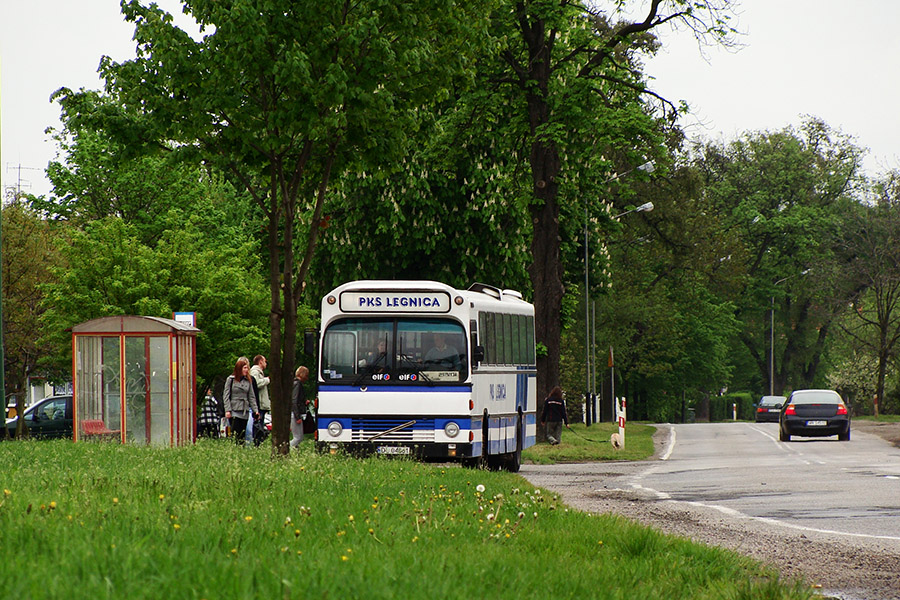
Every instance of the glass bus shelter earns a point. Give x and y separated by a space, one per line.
134 380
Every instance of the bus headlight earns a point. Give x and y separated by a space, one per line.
451 429
335 429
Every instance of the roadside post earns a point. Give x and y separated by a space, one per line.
620 418
734 411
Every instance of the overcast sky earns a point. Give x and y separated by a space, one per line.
833 59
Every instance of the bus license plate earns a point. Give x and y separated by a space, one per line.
392 450
816 423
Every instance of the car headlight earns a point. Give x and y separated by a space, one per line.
451 429
335 428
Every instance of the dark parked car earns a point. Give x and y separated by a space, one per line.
48 418
814 413
769 409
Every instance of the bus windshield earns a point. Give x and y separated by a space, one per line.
406 351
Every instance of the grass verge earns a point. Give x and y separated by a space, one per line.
591 444
215 521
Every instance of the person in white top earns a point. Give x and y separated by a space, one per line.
257 371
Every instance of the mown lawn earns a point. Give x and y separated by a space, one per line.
215 521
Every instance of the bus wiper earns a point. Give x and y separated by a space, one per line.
392 430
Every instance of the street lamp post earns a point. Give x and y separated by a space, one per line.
647 167
772 334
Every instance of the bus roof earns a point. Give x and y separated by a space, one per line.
476 294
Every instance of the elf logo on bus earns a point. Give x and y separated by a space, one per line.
407 377
498 391
381 377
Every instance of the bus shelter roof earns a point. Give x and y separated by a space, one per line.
134 324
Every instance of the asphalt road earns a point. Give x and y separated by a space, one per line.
825 510
810 485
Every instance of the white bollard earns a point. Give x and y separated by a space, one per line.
620 418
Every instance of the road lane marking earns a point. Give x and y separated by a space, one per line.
770 521
671 445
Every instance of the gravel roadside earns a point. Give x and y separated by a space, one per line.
845 568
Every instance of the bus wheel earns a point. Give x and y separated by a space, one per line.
514 459
492 462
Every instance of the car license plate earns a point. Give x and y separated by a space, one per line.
392 450
816 423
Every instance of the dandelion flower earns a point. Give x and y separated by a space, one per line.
162 496
479 488
344 557
6 492
248 518
115 500
176 526
53 505
350 518
490 517
521 515
234 550
297 532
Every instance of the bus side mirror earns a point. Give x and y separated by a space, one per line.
478 354
309 342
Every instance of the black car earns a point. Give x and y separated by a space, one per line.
768 410
814 413
48 418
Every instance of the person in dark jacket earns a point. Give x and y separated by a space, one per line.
240 399
554 415
208 421
299 406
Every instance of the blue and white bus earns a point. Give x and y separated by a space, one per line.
420 368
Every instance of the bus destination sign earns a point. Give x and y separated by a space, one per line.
407 302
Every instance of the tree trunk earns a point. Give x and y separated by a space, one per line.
277 314
545 270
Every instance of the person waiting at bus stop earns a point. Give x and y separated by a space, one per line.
554 415
299 406
240 399
208 421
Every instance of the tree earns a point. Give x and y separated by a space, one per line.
280 95
450 210
97 176
188 270
29 256
575 79
868 242
785 195
666 306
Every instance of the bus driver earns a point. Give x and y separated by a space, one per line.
442 355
